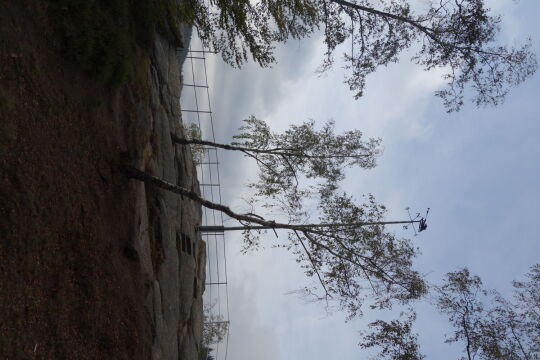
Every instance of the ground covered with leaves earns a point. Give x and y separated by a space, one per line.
70 286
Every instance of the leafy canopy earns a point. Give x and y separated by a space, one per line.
394 338
354 264
288 161
457 36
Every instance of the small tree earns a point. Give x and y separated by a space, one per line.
215 328
193 132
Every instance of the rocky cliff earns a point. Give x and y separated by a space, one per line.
170 250
93 265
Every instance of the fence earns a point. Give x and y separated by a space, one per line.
196 109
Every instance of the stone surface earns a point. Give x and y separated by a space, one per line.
171 253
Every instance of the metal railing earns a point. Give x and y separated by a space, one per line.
196 109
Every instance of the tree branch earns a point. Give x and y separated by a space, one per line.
314 267
274 151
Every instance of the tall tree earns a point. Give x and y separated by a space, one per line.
457 36
348 251
297 162
351 254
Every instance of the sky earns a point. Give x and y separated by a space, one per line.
477 170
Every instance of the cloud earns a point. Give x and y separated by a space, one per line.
249 339
256 89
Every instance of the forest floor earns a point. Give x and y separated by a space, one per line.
70 284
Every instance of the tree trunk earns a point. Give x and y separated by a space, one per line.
426 30
262 224
274 151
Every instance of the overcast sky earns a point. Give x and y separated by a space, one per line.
477 170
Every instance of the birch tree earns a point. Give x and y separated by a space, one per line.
350 254
298 162
348 251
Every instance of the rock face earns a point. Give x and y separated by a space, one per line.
170 250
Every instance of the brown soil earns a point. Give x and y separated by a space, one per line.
70 284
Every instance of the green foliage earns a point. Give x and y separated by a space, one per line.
394 339
300 169
357 264
457 37
490 326
193 132
239 28
301 152
215 329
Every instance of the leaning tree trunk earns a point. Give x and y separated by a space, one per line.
261 224
288 152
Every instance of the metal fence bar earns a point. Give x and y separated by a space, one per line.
196 111
196 51
197 86
210 187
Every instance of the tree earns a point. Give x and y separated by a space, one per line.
350 253
215 328
394 339
527 302
458 299
491 326
299 154
457 36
